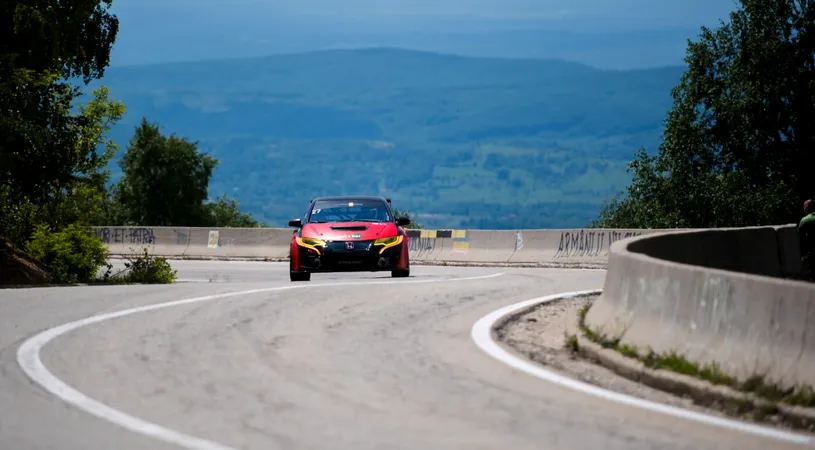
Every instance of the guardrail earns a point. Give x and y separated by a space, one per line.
532 247
714 295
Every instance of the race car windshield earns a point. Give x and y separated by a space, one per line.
349 211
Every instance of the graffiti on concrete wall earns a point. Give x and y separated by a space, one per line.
140 236
182 238
418 246
614 236
589 243
119 235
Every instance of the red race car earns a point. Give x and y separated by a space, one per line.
349 234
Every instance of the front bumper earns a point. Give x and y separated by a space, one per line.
364 256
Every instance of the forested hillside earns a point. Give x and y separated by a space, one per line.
460 141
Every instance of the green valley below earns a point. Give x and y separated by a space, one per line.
457 141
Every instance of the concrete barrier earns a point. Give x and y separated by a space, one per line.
252 243
477 246
223 243
568 246
789 253
165 241
520 247
713 295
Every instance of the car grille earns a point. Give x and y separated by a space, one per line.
358 245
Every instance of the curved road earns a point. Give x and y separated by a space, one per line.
359 361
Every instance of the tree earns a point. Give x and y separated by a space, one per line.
164 179
225 212
413 224
80 198
45 43
85 198
50 162
738 141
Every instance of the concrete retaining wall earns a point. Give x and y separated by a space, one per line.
714 295
568 246
544 247
253 243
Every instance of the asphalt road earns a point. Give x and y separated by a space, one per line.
376 363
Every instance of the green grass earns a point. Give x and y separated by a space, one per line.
572 343
140 269
462 142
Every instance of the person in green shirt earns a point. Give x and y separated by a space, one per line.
806 239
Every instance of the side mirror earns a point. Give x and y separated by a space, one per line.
402 221
296 223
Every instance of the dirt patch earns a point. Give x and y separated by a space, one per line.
540 334
18 268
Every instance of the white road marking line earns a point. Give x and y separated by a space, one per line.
28 357
482 332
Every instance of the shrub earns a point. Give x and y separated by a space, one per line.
73 254
150 269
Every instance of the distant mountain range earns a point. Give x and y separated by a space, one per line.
460 141
606 50
609 34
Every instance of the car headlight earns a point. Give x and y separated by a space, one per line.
387 242
311 243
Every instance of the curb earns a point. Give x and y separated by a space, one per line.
703 393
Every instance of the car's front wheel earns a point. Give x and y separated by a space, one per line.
400 273
299 276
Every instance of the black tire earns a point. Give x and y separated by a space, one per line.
299 276
402 273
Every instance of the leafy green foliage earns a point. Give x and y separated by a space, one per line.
45 42
462 142
738 145
72 38
80 199
52 159
225 212
149 270
164 180
74 254
413 223
84 198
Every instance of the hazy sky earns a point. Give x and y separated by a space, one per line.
615 13
173 30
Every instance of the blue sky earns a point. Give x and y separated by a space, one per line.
620 13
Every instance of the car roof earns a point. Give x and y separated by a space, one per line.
351 198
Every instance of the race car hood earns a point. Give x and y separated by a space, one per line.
339 231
